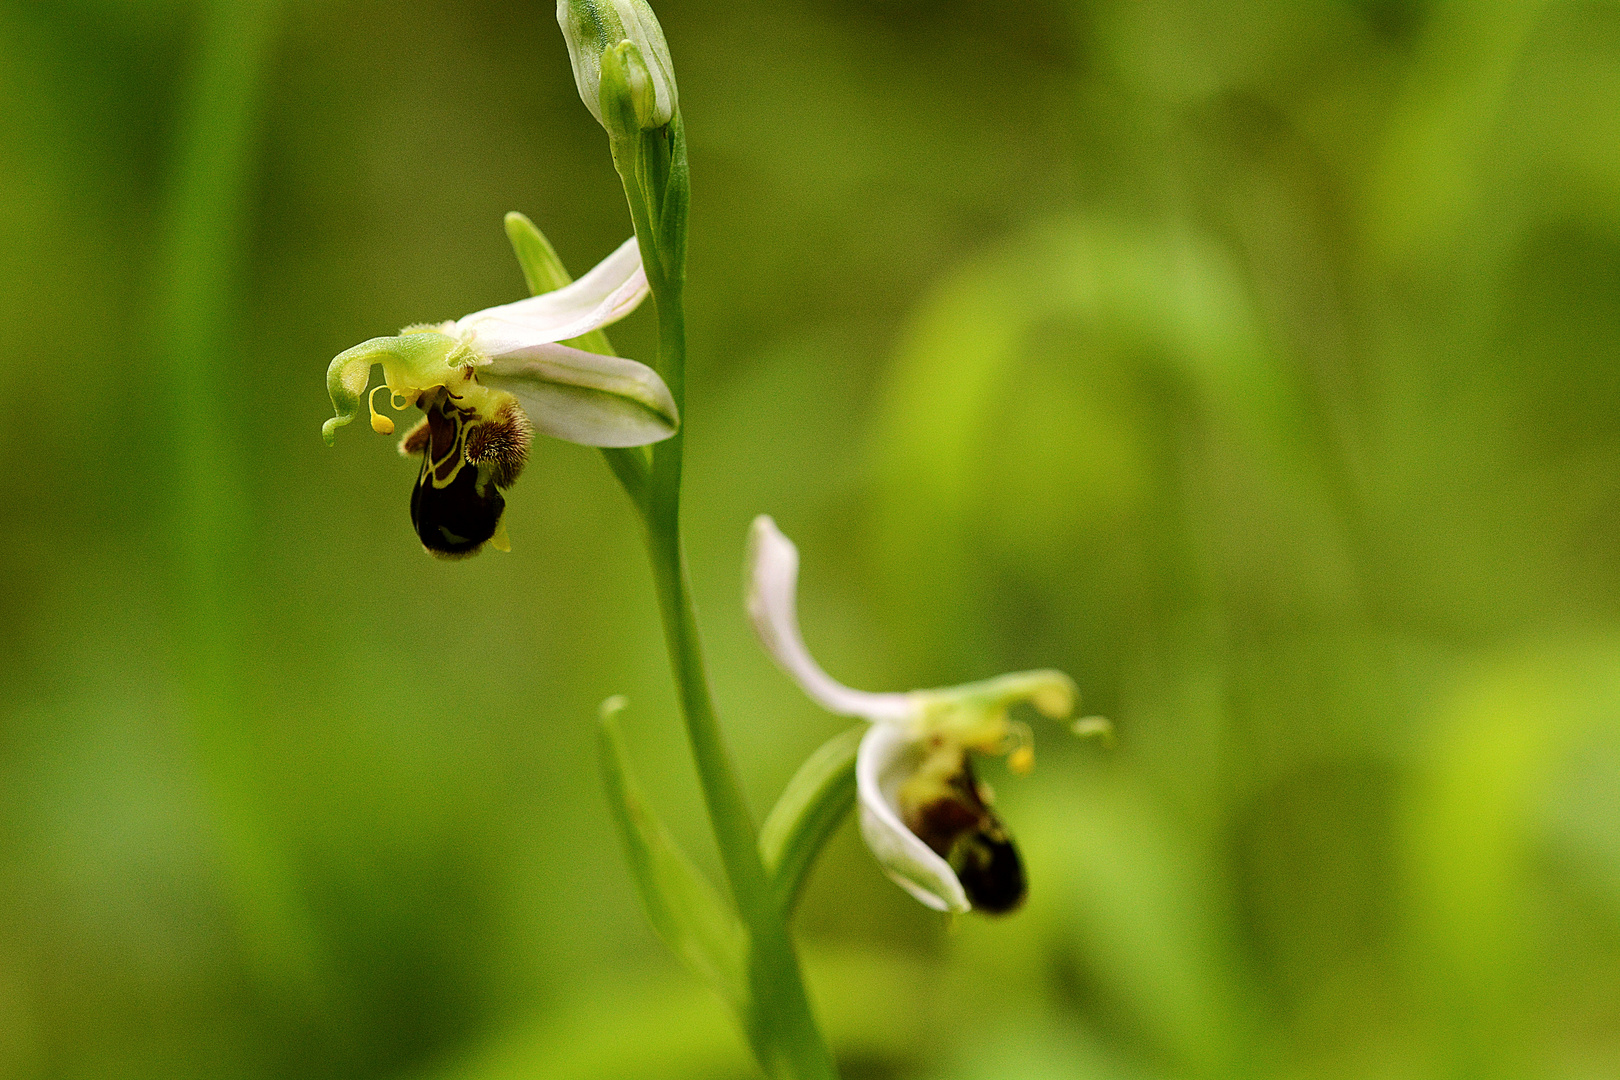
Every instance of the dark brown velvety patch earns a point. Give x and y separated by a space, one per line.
416 439
458 518
455 506
968 835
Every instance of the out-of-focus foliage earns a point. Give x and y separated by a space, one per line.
1257 362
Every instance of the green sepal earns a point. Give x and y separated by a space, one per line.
543 272
681 904
811 807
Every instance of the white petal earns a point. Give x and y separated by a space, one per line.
773 580
887 756
584 397
607 294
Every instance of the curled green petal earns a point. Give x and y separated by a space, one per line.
976 715
1051 692
346 381
412 362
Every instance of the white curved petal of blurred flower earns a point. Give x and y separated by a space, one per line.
925 817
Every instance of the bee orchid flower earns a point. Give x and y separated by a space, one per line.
928 820
487 381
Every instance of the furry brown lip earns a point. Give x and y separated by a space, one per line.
456 505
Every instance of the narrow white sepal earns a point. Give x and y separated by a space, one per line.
887 756
585 397
607 294
773 580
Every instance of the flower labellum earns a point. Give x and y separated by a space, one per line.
467 460
941 802
487 381
925 816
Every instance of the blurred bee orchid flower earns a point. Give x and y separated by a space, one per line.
923 814
486 381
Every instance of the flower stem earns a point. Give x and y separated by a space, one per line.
781 1029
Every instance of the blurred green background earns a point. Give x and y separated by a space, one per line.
1257 362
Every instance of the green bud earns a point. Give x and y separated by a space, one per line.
629 100
621 63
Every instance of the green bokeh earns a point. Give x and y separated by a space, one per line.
1256 362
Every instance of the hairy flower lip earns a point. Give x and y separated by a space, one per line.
906 727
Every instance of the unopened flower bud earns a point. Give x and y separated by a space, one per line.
629 100
621 63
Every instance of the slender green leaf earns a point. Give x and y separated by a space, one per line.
814 802
683 907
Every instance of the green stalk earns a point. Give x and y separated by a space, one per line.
201 250
782 1031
